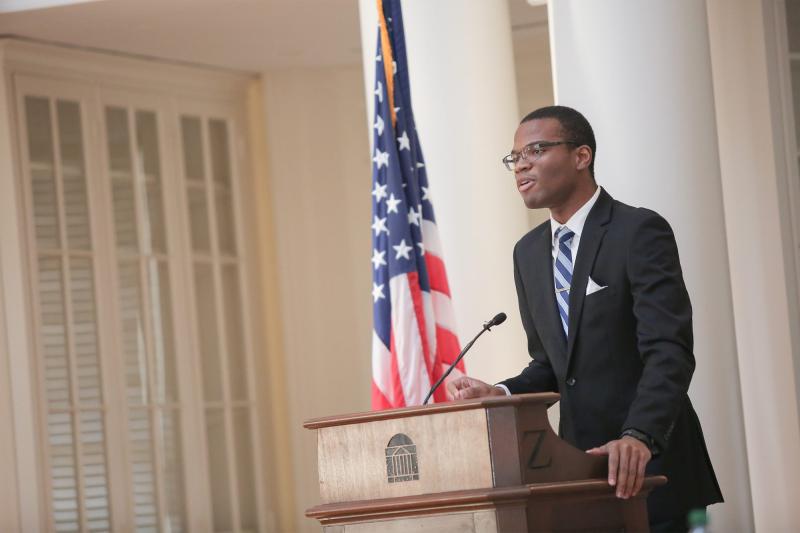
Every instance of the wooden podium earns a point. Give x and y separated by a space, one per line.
486 465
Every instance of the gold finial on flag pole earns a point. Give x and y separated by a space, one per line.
388 60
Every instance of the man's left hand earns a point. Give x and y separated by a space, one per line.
627 458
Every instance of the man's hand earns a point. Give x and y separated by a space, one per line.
627 458
464 388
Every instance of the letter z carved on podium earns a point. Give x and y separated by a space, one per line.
538 456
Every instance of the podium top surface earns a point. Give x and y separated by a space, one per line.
547 398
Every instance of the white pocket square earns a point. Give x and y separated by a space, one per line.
593 287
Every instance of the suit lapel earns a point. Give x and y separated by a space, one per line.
543 295
592 236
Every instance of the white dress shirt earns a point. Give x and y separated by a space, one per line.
575 224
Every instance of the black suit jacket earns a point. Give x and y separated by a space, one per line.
628 360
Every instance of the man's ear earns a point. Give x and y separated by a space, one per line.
583 157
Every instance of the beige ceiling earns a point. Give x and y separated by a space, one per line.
248 35
251 35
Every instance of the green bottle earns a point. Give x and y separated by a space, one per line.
698 521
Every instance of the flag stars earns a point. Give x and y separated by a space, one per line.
378 258
378 124
392 204
377 292
414 216
381 158
403 141
379 225
402 250
379 191
421 248
425 194
379 91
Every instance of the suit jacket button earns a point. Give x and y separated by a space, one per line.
571 382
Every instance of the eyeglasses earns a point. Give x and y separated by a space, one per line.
531 152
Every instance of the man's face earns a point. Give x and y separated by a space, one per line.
551 177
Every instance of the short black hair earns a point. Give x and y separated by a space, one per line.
574 126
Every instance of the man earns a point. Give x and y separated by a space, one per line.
608 321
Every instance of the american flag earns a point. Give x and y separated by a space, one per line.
414 339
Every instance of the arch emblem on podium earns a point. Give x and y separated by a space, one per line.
401 459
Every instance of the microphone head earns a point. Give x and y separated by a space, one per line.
498 319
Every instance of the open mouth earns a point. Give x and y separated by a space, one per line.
525 184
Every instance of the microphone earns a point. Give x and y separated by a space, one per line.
498 319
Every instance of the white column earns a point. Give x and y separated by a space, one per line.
641 73
463 91
758 166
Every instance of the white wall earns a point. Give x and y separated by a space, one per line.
319 170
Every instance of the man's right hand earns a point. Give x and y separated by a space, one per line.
464 388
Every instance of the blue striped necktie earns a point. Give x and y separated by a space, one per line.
563 274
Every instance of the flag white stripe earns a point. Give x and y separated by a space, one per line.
407 342
430 325
382 366
443 307
430 238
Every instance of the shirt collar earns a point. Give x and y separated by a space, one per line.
577 220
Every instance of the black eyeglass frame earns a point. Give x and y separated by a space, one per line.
511 159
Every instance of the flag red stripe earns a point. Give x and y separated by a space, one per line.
419 312
379 401
437 276
447 349
398 398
